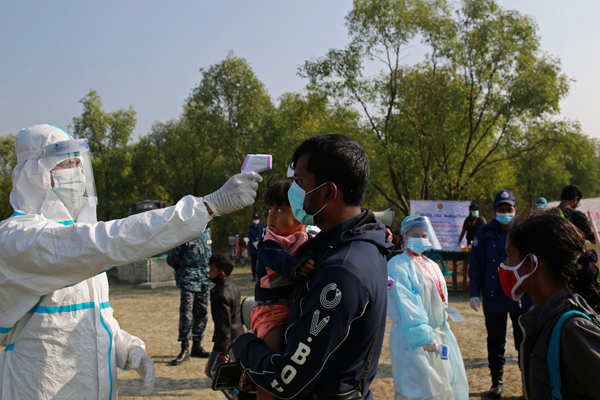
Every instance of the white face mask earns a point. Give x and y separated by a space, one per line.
69 186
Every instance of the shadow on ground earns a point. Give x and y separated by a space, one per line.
472 363
482 395
165 387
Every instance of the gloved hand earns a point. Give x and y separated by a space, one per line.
475 303
140 361
238 192
438 349
431 347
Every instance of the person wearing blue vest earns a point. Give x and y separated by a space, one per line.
560 353
487 252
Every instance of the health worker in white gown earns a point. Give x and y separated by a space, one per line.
426 359
60 338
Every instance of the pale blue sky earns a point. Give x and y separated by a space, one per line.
147 53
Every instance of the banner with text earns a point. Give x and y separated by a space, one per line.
447 218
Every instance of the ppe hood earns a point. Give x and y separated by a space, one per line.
40 149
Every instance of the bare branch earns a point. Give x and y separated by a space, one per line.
387 197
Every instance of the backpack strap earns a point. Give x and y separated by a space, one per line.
553 356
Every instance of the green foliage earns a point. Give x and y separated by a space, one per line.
460 114
478 113
108 135
8 160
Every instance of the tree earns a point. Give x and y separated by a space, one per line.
230 114
108 135
228 111
231 106
581 157
461 112
174 160
8 160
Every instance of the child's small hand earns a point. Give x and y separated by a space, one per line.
306 268
389 236
223 357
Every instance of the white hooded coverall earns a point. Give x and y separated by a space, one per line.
61 339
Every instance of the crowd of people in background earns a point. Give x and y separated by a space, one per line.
539 270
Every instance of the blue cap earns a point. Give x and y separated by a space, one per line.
541 201
504 197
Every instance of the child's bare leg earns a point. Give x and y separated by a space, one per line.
274 340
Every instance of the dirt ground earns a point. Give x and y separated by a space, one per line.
153 316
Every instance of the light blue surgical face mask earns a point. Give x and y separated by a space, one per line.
475 213
296 197
418 245
505 218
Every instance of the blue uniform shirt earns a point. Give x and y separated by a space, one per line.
487 252
190 261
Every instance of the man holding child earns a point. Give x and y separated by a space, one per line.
337 317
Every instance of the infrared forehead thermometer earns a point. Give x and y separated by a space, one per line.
257 162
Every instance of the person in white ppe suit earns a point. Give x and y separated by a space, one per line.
426 359
56 323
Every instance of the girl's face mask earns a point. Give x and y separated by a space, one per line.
510 278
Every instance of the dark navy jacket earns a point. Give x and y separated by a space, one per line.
487 252
337 315
271 254
255 234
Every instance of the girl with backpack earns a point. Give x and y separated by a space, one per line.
560 352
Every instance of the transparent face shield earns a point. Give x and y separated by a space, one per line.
426 230
71 176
